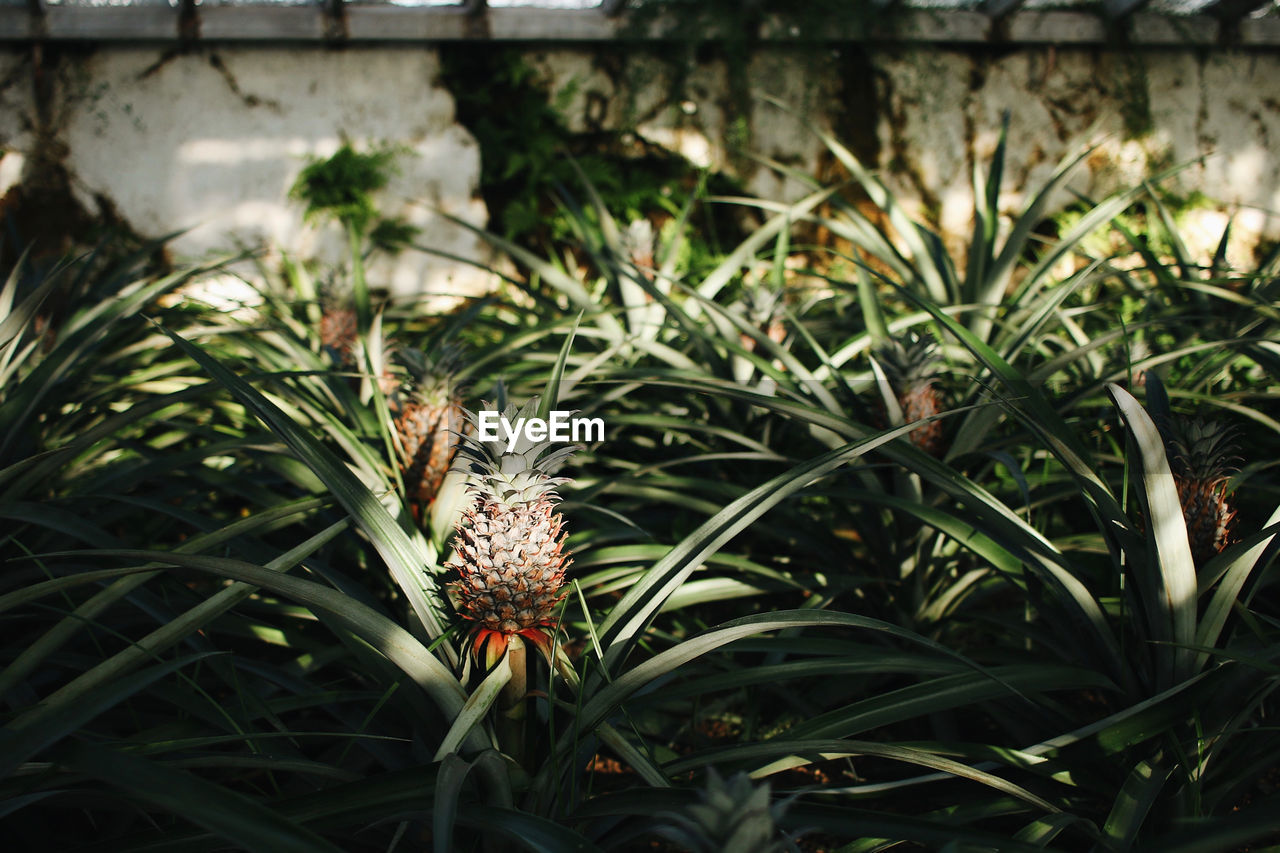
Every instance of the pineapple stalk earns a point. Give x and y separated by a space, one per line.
513 708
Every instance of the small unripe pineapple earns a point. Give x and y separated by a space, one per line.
1202 457
510 554
428 418
339 326
911 369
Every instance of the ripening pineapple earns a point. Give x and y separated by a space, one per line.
1201 456
509 549
428 417
911 369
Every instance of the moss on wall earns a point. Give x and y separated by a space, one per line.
530 158
43 214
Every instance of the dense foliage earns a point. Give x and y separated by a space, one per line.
881 549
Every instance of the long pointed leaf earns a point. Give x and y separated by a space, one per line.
629 617
1174 568
244 822
405 561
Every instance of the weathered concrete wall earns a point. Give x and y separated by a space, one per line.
213 140
924 117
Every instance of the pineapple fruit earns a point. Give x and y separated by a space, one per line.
339 326
911 369
340 337
1202 456
509 549
428 417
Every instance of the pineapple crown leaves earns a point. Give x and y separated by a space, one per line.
763 307
638 243
519 475
732 816
1201 449
908 363
333 292
423 371
426 378
764 303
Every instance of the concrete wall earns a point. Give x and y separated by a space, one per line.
212 140
925 116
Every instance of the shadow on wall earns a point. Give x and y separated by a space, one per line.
1146 112
212 142
924 116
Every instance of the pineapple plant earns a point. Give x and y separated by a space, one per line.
732 816
509 550
428 418
911 369
1201 457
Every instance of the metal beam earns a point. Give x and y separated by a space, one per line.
1055 27
1233 10
262 23
1260 32
111 23
383 22
1152 29
1121 8
402 23
999 8
17 24
960 26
